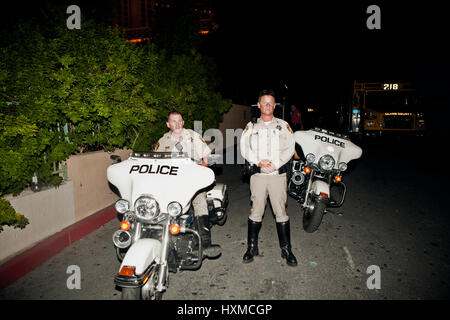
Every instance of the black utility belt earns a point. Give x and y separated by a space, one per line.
255 169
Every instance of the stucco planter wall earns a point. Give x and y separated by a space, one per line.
51 210
48 212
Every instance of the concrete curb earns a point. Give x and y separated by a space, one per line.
27 261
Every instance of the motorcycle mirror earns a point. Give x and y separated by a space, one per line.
115 159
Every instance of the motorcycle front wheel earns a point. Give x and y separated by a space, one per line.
147 292
131 293
313 218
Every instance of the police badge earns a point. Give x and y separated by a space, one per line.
278 127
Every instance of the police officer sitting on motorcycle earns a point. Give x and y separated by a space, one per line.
186 140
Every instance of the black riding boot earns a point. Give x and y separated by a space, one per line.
284 236
252 250
209 250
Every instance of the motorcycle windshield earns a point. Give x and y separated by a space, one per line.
166 180
320 143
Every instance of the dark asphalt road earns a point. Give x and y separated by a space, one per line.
395 217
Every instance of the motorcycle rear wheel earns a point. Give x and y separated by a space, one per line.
222 221
313 218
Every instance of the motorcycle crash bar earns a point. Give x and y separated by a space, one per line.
128 279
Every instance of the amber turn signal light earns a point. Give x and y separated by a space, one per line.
174 228
127 271
125 225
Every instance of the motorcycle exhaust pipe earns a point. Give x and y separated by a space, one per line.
122 239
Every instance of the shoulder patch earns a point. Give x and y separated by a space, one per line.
289 128
156 146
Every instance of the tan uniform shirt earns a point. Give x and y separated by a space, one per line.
272 140
196 148
192 142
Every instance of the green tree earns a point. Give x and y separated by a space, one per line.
88 89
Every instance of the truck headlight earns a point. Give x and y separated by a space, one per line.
326 162
146 208
174 209
122 206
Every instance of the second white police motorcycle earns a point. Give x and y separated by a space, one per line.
325 156
158 231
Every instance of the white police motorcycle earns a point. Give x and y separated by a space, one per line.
325 157
158 232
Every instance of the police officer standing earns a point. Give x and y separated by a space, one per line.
268 145
179 139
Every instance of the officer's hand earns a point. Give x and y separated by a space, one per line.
272 167
266 166
204 162
263 164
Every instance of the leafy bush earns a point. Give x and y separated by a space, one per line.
10 217
106 92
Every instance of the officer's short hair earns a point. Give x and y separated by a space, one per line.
173 112
266 92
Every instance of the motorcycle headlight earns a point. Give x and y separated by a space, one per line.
326 162
174 209
310 158
122 206
146 208
342 166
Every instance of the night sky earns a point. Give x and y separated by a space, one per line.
318 48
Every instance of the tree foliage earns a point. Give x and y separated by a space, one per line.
88 89
10 217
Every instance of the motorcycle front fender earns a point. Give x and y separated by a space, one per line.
141 254
319 186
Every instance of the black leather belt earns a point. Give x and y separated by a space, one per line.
281 170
